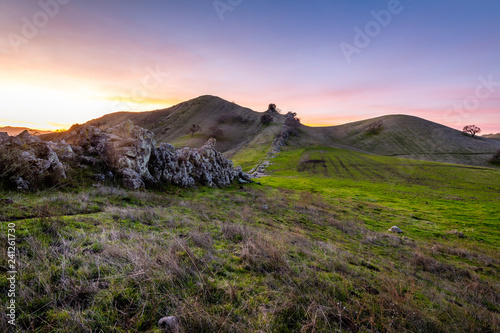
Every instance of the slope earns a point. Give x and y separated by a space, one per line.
406 137
239 125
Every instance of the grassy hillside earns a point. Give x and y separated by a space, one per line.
239 124
400 135
308 251
408 137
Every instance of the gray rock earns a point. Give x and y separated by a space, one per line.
169 324
22 185
132 179
4 137
130 153
395 230
64 151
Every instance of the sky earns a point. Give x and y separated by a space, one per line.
331 61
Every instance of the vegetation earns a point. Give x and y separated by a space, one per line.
193 129
374 128
308 251
471 129
216 131
495 159
266 119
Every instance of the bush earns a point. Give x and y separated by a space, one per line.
495 159
266 119
374 128
226 118
216 131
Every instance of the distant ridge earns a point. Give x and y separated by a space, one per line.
495 136
16 130
400 135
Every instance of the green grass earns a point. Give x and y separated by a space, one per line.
435 198
308 251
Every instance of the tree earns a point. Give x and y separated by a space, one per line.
273 109
193 129
266 119
216 131
471 129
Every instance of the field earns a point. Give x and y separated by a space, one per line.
306 251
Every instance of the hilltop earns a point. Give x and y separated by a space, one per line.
400 135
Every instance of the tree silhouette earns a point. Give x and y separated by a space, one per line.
471 129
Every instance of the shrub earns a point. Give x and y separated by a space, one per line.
266 119
216 131
374 128
495 159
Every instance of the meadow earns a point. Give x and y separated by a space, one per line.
306 251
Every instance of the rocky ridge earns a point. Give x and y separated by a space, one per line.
125 152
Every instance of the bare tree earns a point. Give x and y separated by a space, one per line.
471 129
216 131
193 129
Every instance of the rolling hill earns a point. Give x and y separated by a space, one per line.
172 124
400 136
408 137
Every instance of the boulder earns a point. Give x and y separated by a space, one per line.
29 160
4 137
395 230
22 185
169 324
130 153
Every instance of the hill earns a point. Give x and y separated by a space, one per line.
172 125
12 131
400 135
407 137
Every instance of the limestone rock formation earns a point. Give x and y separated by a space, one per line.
130 153
25 159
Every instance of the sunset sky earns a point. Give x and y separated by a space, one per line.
331 61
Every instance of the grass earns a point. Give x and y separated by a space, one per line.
308 251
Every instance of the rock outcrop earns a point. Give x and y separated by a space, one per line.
130 153
26 159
